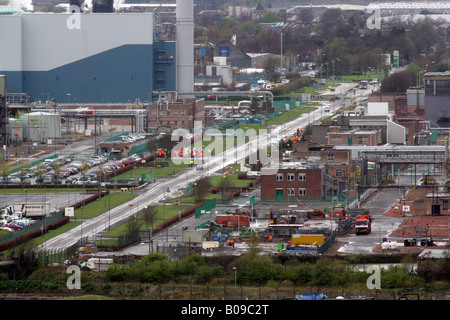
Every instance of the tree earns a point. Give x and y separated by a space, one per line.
40 170
224 185
57 167
201 188
306 16
23 170
270 17
5 170
332 20
270 64
132 224
398 82
150 215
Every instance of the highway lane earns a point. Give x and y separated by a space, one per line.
154 193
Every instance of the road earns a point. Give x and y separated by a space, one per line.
168 187
382 226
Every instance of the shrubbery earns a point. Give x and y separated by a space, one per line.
255 269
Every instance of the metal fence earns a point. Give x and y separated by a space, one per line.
38 225
176 251
205 208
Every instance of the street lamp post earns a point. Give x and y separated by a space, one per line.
235 282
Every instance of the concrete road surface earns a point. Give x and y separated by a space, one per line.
170 186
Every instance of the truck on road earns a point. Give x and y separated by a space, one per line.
363 224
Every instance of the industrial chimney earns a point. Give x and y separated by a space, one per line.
102 6
185 46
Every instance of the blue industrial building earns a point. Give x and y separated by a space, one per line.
102 58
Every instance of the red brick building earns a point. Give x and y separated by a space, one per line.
293 182
340 168
172 112
338 137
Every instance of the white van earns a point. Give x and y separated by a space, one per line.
326 109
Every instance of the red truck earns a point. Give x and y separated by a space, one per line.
363 224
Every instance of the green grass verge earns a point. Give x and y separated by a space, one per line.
234 182
288 115
190 199
154 172
42 190
103 204
164 212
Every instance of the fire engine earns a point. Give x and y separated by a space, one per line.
363 224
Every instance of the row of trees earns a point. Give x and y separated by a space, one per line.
339 40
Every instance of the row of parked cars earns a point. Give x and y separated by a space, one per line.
117 164
69 171
97 174
27 174
131 137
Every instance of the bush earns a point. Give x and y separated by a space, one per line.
292 86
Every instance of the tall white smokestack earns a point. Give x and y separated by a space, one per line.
185 46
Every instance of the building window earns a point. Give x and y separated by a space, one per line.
290 177
339 173
445 205
175 112
302 177
290 192
336 140
302 192
161 113
279 177
153 112
363 140
183 113
330 157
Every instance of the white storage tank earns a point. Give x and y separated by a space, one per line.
41 126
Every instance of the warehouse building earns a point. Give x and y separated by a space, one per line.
85 57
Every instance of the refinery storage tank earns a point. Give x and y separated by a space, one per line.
41 126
